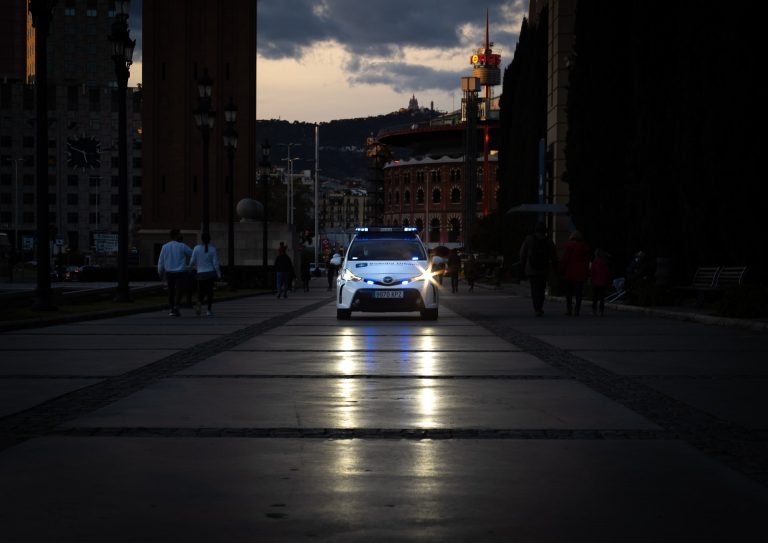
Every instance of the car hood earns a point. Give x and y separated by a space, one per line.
397 269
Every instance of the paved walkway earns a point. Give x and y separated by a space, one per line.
274 422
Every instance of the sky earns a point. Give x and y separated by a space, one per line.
320 60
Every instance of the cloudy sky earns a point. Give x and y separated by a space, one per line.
319 60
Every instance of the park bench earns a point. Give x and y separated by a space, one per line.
708 279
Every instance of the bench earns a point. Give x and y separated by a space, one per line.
714 279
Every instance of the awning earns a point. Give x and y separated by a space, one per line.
557 209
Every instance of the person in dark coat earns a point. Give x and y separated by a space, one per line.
574 268
454 269
304 271
469 272
600 277
538 256
283 271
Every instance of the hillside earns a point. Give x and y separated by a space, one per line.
342 142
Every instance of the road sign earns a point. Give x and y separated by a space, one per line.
105 243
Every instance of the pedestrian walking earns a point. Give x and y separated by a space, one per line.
304 270
283 271
454 269
538 256
171 267
333 268
438 267
469 272
600 277
574 267
205 260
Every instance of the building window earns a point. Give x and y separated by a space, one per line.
455 195
436 196
94 181
28 217
137 162
5 198
6 141
28 179
5 179
115 162
420 196
454 230
72 98
73 218
94 100
115 199
115 218
72 199
91 8
93 218
407 197
28 142
478 195
137 181
434 230
28 198
93 199
397 197
6 217
73 181
115 180
52 198
137 199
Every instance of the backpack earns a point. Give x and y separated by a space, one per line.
538 255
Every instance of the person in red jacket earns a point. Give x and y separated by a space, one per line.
574 268
600 276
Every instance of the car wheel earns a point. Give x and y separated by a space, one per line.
429 314
343 314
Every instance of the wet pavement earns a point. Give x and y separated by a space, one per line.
274 422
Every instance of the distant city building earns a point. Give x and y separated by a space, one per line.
427 190
83 131
182 39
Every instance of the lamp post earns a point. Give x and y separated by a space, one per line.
266 166
204 119
41 11
122 55
230 143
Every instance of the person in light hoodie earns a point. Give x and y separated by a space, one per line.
205 260
171 267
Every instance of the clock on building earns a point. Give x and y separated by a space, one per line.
83 152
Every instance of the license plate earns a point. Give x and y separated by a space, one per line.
388 294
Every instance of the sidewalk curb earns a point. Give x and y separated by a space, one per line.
747 324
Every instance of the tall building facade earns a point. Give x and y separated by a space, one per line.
83 133
182 40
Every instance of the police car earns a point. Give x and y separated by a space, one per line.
386 269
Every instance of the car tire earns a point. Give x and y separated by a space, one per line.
343 314
429 314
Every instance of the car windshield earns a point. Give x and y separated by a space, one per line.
386 249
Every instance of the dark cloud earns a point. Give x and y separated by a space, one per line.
372 31
404 77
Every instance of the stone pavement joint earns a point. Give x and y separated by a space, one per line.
729 443
45 417
367 433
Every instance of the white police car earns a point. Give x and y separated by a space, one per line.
386 269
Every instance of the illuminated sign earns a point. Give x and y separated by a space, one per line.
487 60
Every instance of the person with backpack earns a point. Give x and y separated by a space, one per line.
538 256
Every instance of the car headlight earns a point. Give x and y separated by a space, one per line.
426 275
347 275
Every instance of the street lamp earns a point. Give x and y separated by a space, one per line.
230 143
289 185
41 11
122 55
204 119
266 166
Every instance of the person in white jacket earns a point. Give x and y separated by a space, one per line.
171 267
205 260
